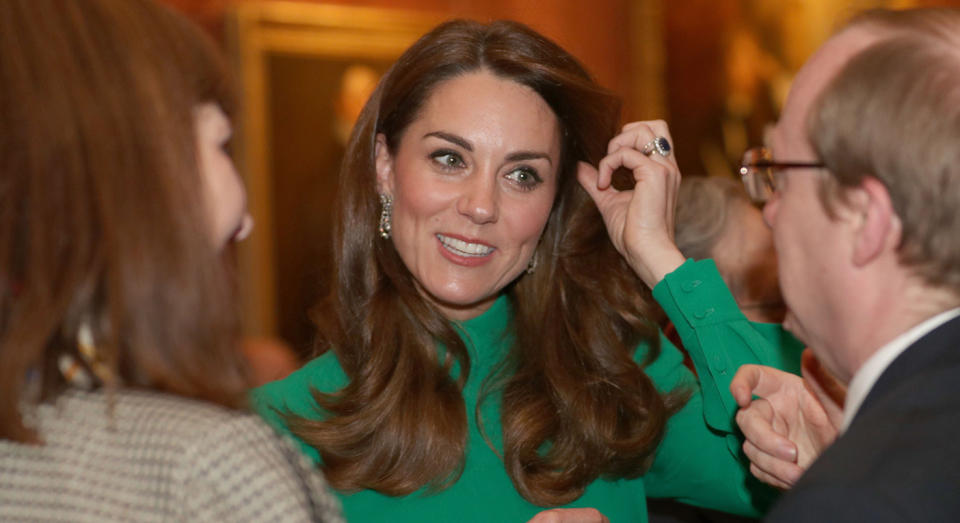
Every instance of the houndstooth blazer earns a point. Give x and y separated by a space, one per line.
146 456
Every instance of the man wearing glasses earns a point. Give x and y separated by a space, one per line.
862 189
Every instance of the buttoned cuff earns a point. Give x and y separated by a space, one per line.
696 294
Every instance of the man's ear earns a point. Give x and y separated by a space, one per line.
878 227
384 162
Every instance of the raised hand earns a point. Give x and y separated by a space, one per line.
791 420
640 221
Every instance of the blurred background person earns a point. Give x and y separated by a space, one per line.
716 219
121 383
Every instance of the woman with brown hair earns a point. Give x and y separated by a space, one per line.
121 380
488 344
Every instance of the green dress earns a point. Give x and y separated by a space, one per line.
699 461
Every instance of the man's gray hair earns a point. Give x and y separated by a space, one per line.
893 113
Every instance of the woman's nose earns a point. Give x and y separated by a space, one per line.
479 200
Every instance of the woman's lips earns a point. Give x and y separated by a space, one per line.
462 251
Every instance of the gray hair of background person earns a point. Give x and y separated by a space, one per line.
904 130
704 207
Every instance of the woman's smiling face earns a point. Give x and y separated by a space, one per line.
473 180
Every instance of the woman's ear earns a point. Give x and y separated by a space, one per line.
384 166
879 228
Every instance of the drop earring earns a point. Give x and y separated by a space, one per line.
386 216
532 264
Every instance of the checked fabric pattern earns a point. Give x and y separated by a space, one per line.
145 456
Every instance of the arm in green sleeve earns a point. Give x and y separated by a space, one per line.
719 338
694 463
699 461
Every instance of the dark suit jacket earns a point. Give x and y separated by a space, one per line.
900 458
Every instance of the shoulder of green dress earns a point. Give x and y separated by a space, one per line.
324 373
294 393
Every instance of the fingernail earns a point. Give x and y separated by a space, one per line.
789 452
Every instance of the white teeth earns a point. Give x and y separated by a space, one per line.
463 248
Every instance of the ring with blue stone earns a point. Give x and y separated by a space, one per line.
660 145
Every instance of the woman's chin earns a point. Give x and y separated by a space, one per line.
460 307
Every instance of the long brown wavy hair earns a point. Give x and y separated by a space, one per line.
102 215
570 383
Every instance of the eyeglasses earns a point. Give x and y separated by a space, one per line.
758 172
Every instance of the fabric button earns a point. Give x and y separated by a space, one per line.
719 363
690 285
700 315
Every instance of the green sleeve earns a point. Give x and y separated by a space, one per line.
699 460
293 395
694 463
718 337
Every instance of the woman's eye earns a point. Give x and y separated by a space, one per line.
525 177
447 159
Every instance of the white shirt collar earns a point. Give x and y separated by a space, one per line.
870 371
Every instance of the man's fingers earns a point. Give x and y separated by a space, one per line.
761 381
743 383
763 431
770 469
769 479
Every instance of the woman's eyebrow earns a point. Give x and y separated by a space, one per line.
452 138
528 155
512 157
